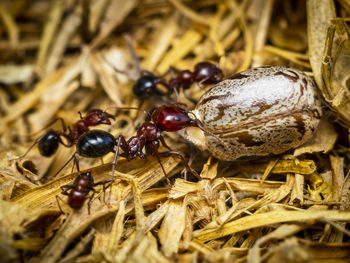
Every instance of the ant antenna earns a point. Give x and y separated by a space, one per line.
134 58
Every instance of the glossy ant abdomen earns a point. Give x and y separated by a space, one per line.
95 143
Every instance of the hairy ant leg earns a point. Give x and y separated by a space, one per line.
188 97
182 159
104 187
121 143
161 138
65 164
152 149
58 198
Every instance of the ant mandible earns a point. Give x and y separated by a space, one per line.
49 142
79 190
204 73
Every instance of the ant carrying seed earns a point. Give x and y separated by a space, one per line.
79 190
169 118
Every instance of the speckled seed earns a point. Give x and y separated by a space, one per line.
258 112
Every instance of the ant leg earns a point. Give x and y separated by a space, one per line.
66 188
152 148
189 98
161 165
71 171
201 82
104 187
89 202
58 198
176 95
76 161
70 159
161 138
164 84
69 140
182 159
120 142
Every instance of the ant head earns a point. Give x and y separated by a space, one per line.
97 116
172 118
88 177
145 86
207 73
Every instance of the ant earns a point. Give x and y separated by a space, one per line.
97 143
49 142
204 73
78 191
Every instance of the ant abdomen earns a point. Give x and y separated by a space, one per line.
95 143
49 143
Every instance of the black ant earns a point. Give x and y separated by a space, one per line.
78 191
204 73
49 142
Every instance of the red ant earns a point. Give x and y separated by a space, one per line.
97 143
78 191
204 73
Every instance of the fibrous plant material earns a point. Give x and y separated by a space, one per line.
61 58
